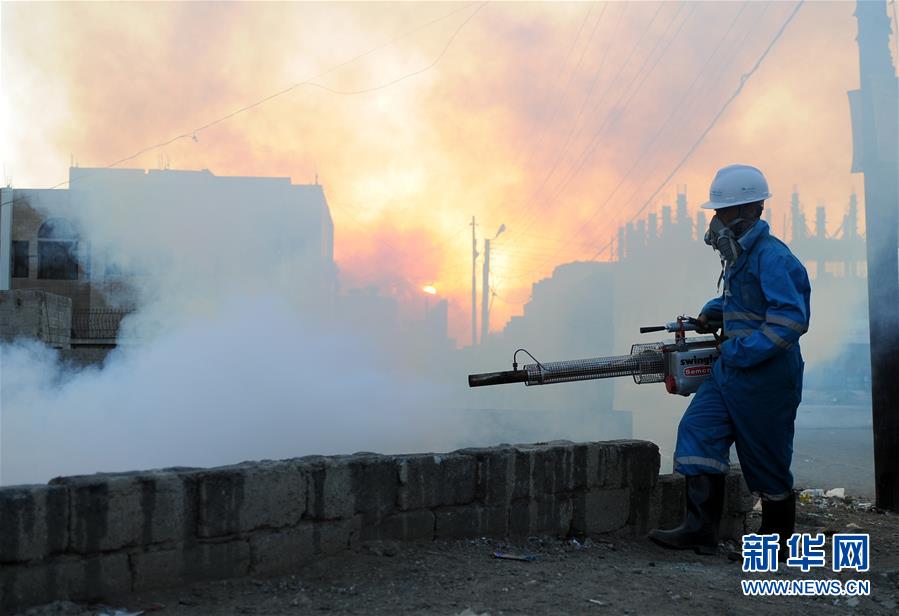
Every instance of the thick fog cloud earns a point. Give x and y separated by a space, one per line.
522 90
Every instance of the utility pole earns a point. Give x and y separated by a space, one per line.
474 286
875 111
485 292
6 199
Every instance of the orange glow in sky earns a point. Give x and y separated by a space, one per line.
557 119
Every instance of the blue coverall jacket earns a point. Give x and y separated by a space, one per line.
755 387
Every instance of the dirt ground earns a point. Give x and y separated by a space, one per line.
611 574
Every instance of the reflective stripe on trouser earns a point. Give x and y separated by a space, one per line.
754 409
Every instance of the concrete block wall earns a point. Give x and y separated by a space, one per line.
34 313
668 503
89 537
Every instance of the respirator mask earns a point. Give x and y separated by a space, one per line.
723 238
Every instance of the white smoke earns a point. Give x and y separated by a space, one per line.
223 360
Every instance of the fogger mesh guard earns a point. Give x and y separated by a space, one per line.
645 364
652 366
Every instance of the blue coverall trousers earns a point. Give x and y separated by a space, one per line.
754 408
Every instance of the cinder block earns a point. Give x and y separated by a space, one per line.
188 564
420 477
583 463
89 579
34 522
564 471
738 498
641 463
335 536
375 486
403 526
552 469
557 467
330 488
733 526
495 475
527 477
246 497
610 466
641 510
545 516
431 480
460 476
274 552
668 501
553 516
470 521
109 512
601 511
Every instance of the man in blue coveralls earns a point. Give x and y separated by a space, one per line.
752 394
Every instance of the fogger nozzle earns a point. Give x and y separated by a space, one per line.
645 364
497 378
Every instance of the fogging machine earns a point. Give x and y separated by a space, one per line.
682 364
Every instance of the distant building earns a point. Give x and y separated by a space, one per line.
49 251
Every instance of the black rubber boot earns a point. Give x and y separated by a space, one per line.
777 517
699 530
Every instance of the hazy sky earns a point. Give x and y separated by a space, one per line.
557 119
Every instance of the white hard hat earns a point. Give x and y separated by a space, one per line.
736 185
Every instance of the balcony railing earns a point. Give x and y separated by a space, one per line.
100 324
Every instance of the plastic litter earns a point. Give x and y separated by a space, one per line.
510 556
836 493
807 495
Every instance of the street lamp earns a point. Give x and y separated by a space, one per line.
485 293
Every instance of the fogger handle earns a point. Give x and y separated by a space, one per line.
686 325
497 378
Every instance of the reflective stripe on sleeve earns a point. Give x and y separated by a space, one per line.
743 316
739 333
776 319
710 462
773 337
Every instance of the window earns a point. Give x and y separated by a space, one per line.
57 250
19 263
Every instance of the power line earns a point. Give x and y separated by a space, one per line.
555 109
700 95
532 202
743 80
193 133
530 151
404 77
628 94
687 92
577 120
674 113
